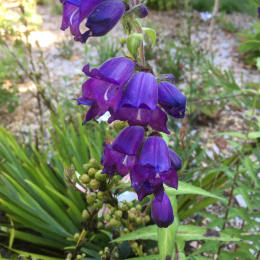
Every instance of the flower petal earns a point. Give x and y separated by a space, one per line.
176 161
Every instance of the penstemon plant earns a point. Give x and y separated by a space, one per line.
127 88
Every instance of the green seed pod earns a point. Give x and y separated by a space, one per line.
85 214
93 163
147 219
99 176
92 172
137 220
76 236
86 167
113 222
108 217
98 204
85 179
130 204
99 225
94 184
134 245
118 214
100 195
138 207
124 207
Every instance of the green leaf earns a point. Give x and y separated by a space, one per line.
149 257
234 134
254 135
167 236
134 42
151 33
258 63
165 137
250 167
185 188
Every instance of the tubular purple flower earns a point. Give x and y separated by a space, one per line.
162 212
139 104
259 11
104 18
120 157
172 100
153 169
140 11
176 161
74 12
103 91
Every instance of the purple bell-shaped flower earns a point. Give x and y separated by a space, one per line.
171 99
139 104
120 157
162 213
103 91
104 18
74 12
153 169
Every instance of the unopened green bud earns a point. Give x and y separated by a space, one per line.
99 225
138 207
134 245
137 220
79 257
156 250
118 224
120 182
99 176
76 236
98 204
92 172
131 216
103 257
85 214
93 163
125 230
69 256
86 167
106 250
101 253
113 222
120 125
100 195
112 210
133 210
94 184
91 197
130 204
85 179
147 219
118 214
124 207
116 255
108 217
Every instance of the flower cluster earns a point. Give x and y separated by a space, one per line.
130 92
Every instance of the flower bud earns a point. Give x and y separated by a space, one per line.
138 207
112 210
76 236
98 204
91 197
134 245
99 225
99 176
79 257
125 230
103 257
137 220
100 195
113 222
94 184
140 11
93 163
101 253
85 179
116 255
86 167
69 256
120 125
92 172
131 216
108 217
118 214
130 204
118 224
147 219
85 214
124 207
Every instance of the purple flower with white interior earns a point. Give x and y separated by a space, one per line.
103 91
103 18
120 157
139 104
74 12
162 212
172 100
153 169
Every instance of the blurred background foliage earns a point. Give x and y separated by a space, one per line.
42 214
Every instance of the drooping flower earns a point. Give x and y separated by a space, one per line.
103 91
153 169
74 12
120 157
171 99
162 213
104 18
139 104
259 11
